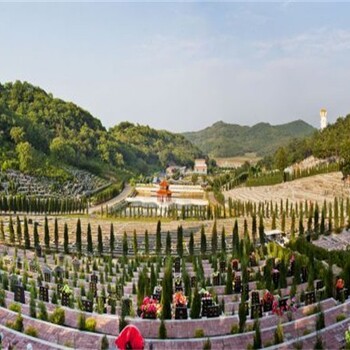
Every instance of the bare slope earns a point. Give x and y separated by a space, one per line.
315 188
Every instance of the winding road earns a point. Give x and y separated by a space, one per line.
127 191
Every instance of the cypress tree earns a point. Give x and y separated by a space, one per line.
99 240
167 291
65 239
146 243
19 230
2 231
36 235
235 239
168 244
191 244
254 228
135 243
301 227
229 288
78 236
46 234
203 241
56 237
214 239
158 238
242 315
292 226
316 220
273 224
196 305
111 239
26 234
330 219
11 231
180 241
223 240
261 231
336 214
257 336
323 224
90 247
125 244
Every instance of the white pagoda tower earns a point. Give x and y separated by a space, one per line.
323 115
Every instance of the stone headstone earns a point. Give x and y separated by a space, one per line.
65 297
310 298
93 288
44 293
88 305
19 294
181 313
94 278
238 284
255 298
222 266
255 311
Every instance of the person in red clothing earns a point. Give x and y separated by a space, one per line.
130 338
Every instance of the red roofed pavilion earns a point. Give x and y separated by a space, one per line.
164 194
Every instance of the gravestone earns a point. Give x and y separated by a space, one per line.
19 294
94 278
213 311
193 281
206 302
88 305
38 251
255 298
238 284
303 274
216 279
255 311
19 263
222 266
177 265
65 297
310 298
292 267
282 303
178 286
44 293
252 260
93 288
245 288
59 288
319 284
181 313
276 278
32 266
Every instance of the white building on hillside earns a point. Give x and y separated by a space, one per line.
200 167
323 115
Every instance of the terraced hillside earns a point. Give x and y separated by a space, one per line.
315 188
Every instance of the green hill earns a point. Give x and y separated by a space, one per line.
333 141
42 135
229 140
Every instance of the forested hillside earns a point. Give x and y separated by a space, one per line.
332 141
229 140
41 135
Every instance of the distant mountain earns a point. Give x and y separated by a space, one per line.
229 140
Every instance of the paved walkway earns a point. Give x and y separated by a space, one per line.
121 197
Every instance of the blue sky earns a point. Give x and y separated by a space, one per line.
183 66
